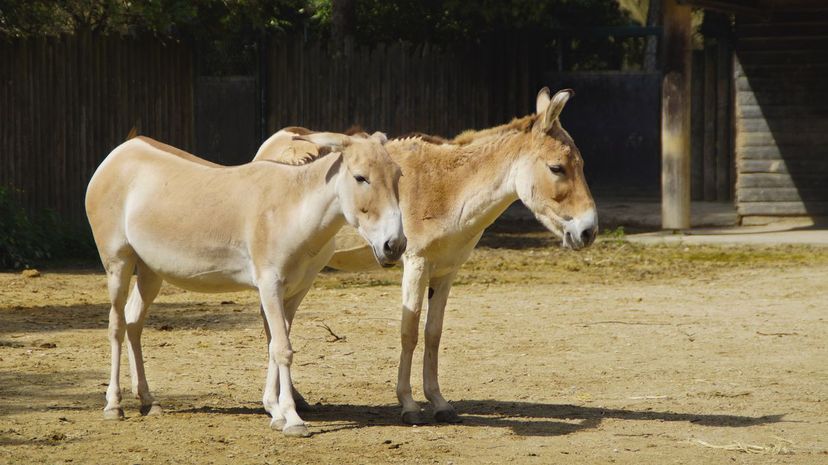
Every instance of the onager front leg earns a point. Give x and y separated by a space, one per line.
413 286
439 292
271 388
279 360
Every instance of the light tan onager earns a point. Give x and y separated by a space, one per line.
263 226
450 192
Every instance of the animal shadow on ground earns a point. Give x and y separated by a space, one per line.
523 418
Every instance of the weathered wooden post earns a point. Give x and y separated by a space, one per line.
675 117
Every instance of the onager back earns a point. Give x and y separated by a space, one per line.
263 226
449 193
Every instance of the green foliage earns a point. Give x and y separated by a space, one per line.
26 240
160 17
445 21
227 32
616 234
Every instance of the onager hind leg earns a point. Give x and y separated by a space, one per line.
443 411
118 273
413 287
143 293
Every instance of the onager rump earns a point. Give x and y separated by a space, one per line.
449 193
264 226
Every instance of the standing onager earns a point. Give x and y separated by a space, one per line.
203 227
449 193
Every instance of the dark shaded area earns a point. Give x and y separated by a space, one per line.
164 317
227 118
523 418
615 122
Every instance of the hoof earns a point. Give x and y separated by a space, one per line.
296 431
114 414
152 409
447 416
413 418
277 424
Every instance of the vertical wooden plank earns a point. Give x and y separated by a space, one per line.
724 161
709 164
697 128
60 148
675 117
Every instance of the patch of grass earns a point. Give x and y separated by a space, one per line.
28 240
537 258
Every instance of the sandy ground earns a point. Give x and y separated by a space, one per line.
624 354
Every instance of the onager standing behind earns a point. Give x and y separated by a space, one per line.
263 226
449 193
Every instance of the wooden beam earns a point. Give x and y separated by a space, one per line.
710 89
675 117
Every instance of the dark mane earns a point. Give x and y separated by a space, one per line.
431 139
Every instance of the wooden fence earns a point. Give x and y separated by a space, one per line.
66 102
401 88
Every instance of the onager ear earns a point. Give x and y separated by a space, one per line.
380 137
542 101
334 167
328 139
553 109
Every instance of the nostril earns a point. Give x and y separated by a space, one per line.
587 236
388 247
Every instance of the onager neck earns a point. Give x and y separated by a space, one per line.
490 186
319 214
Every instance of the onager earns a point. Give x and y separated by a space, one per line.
449 193
262 226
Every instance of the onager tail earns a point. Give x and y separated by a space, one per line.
133 133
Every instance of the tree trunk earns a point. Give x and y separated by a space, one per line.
651 48
343 23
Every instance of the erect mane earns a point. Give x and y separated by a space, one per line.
429 138
522 124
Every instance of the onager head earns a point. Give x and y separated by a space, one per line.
550 176
368 193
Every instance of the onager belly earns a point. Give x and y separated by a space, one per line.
199 268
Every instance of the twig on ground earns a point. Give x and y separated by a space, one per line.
336 337
776 334
748 448
618 322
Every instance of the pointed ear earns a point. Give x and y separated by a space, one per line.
380 137
554 109
334 167
542 101
333 140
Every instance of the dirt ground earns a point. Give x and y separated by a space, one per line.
622 353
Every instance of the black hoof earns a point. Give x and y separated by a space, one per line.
151 409
447 416
413 418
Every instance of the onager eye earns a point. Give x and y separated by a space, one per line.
556 169
361 179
